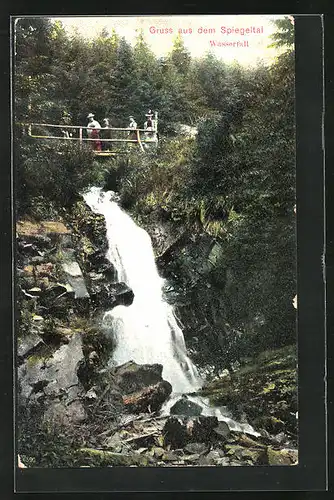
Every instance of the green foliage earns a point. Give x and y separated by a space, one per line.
265 387
154 180
58 171
44 445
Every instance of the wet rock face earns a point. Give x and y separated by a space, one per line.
185 407
64 282
62 269
53 380
106 295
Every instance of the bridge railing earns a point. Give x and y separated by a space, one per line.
79 133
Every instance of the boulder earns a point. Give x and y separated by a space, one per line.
252 456
175 433
98 262
131 377
122 293
170 456
26 249
180 431
108 295
75 279
148 399
157 451
56 299
203 428
53 379
114 443
222 430
210 459
38 241
130 387
186 407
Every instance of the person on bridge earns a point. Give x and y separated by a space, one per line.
94 133
150 132
148 125
105 134
149 115
133 125
66 120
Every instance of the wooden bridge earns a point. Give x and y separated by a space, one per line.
145 139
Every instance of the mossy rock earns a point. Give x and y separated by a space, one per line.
266 390
280 457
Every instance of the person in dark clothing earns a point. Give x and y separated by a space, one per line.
105 134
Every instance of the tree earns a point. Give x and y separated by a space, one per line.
147 77
285 35
180 56
211 75
34 83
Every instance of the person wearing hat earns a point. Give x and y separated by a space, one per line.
66 120
149 126
94 133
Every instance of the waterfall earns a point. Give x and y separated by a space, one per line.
147 331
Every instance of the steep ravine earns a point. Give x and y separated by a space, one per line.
74 409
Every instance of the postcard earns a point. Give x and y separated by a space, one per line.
155 266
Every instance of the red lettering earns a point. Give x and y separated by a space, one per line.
160 31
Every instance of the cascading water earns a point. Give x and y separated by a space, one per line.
146 331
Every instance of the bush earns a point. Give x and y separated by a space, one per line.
155 180
57 171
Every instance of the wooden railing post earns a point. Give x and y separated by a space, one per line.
156 121
139 141
80 135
